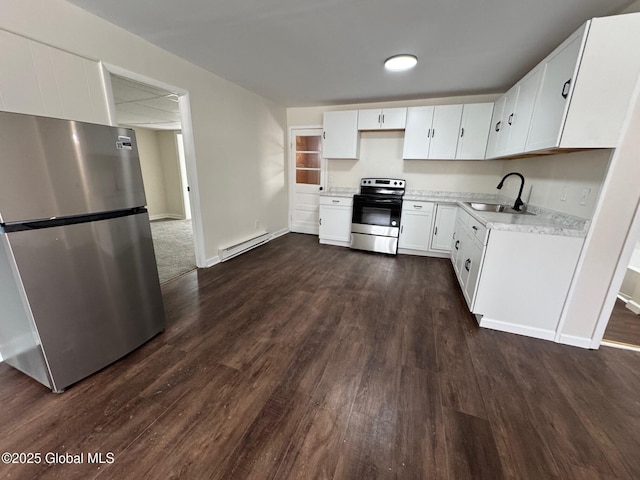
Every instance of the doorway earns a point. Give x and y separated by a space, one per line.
307 174
623 328
154 114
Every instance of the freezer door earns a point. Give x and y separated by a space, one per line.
93 290
53 168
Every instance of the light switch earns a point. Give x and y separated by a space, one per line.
585 195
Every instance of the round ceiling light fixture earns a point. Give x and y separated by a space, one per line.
400 63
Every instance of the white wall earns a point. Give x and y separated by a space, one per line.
171 168
239 136
160 172
152 171
547 177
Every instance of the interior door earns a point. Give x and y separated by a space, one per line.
308 178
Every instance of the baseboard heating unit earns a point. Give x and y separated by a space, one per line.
231 251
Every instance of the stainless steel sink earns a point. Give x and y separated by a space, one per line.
496 207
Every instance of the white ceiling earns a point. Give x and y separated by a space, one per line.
140 105
319 52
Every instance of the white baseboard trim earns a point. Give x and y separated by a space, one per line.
622 346
518 329
161 216
279 233
216 260
212 261
574 341
337 243
633 306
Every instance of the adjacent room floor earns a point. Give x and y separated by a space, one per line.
173 244
299 361
623 326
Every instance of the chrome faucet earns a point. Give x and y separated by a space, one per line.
519 203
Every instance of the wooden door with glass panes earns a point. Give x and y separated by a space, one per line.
308 171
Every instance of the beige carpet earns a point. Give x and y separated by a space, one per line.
173 244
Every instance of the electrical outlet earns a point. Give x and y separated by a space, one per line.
584 196
563 195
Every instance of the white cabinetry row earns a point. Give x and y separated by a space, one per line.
576 98
438 132
447 132
426 228
513 281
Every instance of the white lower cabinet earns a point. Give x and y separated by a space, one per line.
514 281
335 220
443 226
415 227
467 251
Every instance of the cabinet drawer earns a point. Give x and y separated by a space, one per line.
418 207
477 230
336 201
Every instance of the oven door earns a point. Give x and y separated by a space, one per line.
380 212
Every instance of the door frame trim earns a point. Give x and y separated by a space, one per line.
291 170
188 141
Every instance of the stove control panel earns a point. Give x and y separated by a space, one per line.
382 182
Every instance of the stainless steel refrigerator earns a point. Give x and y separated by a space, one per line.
79 284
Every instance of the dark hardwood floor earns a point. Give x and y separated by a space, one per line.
623 326
301 361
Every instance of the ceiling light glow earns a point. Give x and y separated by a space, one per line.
400 63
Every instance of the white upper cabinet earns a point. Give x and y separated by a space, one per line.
510 101
587 84
432 132
496 127
559 72
340 134
417 134
474 131
382 119
519 120
445 131
510 130
42 80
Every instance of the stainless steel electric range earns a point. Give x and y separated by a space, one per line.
375 223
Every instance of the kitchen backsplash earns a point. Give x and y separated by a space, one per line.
548 179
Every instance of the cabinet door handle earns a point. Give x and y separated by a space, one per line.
511 119
435 231
335 201
417 207
475 228
433 133
565 89
401 228
466 264
324 135
379 116
383 118
429 133
320 188
456 245
498 126
462 132
320 222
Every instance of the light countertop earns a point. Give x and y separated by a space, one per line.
545 221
